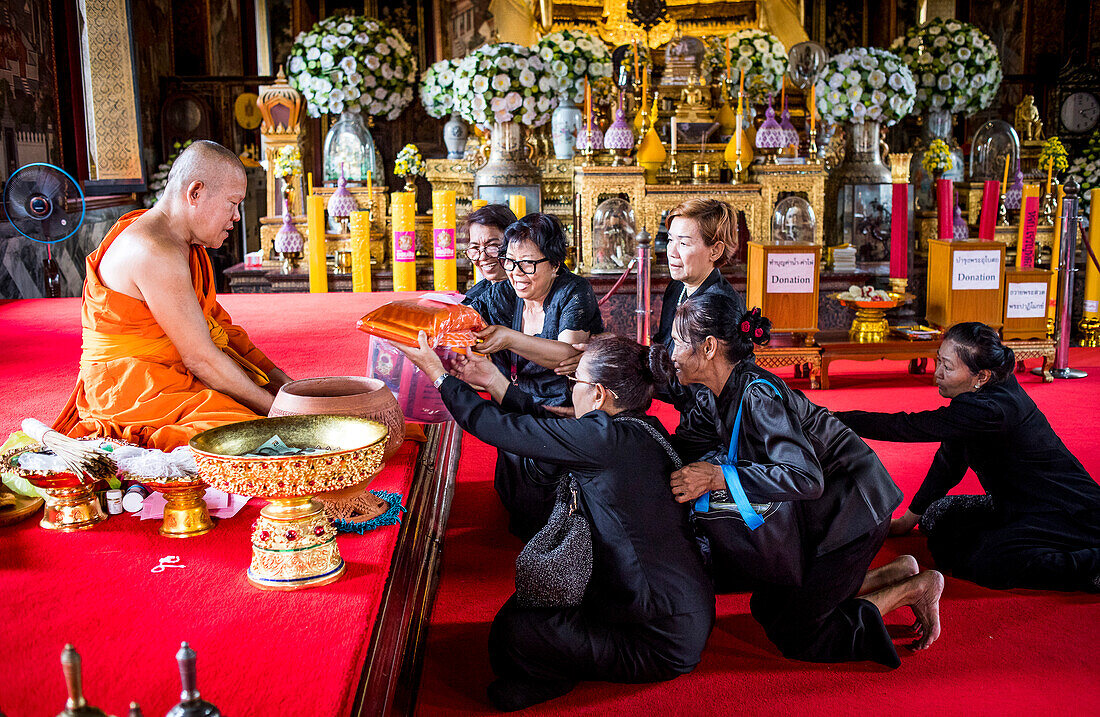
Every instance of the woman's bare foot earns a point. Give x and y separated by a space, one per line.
900 568
921 593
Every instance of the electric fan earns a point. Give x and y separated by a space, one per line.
44 203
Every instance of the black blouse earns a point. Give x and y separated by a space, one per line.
1000 433
645 564
791 449
570 306
476 291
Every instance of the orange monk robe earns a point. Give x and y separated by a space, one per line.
132 383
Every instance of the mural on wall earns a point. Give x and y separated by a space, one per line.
28 87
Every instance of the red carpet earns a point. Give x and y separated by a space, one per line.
1014 652
259 653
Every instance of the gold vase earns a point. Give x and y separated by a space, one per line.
869 325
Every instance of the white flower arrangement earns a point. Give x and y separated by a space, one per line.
570 57
955 65
865 84
437 88
757 54
352 63
1085 170
504 83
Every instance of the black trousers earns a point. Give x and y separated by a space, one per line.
1045 551
822 620
576 644
526 492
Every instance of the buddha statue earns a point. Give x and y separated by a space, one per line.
694 104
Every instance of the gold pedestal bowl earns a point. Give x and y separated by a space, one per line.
185 511
870 325
293 542
71 504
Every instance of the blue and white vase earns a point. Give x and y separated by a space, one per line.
565 123
455 134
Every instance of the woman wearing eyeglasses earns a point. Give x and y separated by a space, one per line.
815 504
648 607
485 228
534 318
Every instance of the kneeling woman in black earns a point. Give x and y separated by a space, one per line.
648 609
1038 526
824 496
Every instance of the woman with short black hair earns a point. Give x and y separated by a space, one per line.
534 318
790 502
485 228
1038 524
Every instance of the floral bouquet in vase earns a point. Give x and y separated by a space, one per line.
437 88
865 84
570 57
954 64
756 54
503 83
353 63
1085 170
410 165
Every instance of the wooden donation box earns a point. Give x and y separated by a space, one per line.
1027 294
965 282
782 281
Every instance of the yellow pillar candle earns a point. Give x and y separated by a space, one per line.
1056 248
360 251
1092 276
315 227
443 239
403 219
1050 172
518 204
1004 182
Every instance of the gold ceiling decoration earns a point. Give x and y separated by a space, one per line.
617 29
609 20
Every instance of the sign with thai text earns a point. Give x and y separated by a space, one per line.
791 273
976 269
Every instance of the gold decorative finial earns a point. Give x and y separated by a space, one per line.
899 167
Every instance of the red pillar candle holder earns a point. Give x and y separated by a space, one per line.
945 207
991 196
899 233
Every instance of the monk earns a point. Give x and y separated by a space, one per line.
161 360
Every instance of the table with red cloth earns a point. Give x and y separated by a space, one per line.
345 648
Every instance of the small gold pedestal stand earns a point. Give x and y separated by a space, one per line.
71 504
69 509
1090 330
870 325
293 542
185 511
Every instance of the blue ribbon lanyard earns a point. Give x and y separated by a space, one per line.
729 469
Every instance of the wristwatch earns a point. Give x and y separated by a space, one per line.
439 381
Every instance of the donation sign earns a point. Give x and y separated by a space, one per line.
1027 301
976 270
790 273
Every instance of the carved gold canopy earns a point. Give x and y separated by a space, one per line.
607 18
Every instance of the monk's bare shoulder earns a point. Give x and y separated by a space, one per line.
143 253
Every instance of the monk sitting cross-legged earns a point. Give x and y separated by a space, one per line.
161 359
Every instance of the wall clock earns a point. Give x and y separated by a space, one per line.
1080 112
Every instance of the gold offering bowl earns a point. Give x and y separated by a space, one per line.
185 511
71 504
870 325
293 542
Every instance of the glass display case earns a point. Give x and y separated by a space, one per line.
793 221
993 141
349 143
613 229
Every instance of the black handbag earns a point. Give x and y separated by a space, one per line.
754 541
554 568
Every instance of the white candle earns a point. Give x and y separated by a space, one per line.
673 135
737 135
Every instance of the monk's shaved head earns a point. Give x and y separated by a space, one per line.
203 161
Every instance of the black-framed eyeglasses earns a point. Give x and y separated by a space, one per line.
573 379
525 266
474 252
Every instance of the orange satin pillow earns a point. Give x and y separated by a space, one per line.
447 325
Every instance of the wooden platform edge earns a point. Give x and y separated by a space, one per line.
391 672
